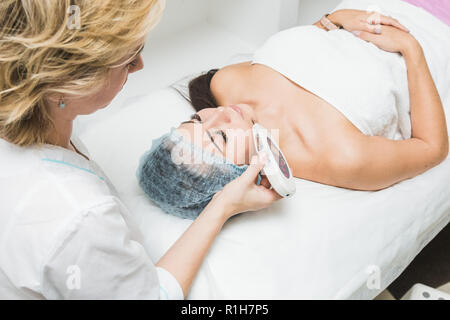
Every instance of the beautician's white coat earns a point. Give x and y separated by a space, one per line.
65 234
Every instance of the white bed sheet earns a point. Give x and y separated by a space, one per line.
324 243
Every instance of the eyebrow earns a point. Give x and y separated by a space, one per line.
209 134
192 119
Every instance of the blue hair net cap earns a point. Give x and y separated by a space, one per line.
181 178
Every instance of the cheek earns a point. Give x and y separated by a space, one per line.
239 148
116 81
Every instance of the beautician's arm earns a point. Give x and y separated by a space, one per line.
382 162
185 257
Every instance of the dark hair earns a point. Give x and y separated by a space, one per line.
200 91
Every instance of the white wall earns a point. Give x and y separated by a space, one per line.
311 11
179 15
289 13
191 29
254 20
251 20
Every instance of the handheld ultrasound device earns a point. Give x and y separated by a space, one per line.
276 169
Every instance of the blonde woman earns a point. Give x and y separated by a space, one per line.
64 233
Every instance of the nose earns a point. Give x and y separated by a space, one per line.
216 118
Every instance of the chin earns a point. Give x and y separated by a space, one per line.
249 114
106 105
87 113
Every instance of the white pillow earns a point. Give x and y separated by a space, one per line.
182 86
133 129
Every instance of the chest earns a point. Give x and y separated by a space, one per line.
305 124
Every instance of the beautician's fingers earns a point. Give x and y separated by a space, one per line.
268 194
265 182
256 165
243 194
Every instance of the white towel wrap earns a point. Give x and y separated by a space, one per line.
367 85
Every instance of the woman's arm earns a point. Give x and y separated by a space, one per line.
382 162
357 20
185 257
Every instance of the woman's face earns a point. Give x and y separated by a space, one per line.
224 131
118 76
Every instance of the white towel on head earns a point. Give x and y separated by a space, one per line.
367 85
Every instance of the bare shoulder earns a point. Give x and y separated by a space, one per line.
226 81
327 147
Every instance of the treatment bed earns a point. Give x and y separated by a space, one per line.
324 243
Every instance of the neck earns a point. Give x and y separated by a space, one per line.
62 133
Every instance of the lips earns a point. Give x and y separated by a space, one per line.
238 110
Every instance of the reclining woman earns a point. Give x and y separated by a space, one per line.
345 130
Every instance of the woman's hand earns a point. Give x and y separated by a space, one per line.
243 194
357 20
392 40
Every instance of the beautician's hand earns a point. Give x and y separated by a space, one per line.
243 194
185 257
357 20
392 40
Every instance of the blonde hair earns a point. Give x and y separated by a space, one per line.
42 55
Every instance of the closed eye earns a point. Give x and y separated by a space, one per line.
224 135
195 117
132 63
